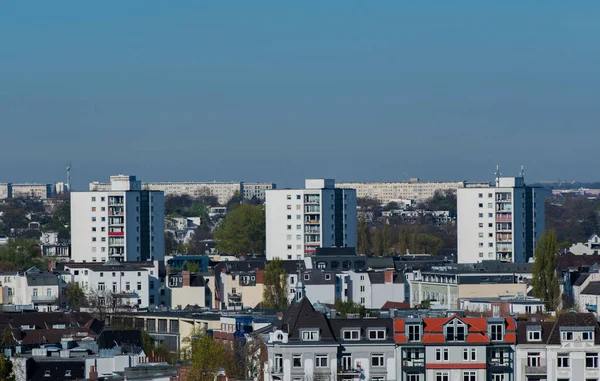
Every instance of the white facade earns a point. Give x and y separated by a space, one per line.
136 284
499 223
591 247
257 190
386 192
373 289
39 191
125 223
300 220
36 288
5 191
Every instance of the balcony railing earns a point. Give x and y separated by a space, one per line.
277 370
312 222
503 218
415 363
116 234
535 370
44 298
349 371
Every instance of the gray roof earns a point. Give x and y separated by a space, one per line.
378 277
593 288
42 279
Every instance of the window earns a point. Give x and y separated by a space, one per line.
76 272
289 227
490 225
327 276
351 334
480 195
289 247
490 205
413 377
591 360
321 361
93 229
139 286
289 207
470 354
101 287
534 359
441 354
498 377
298 227
469 376
496 332
567 336
414 332
289 216
480 205
377 359
563 360
278 363
587 336
481 224
67 373
297 361
93 198
289 196
534 336
480 235
480 215
490 244
455 331
442 376
377 334
93 239
362 288
490 215
310 335
101 275
93 208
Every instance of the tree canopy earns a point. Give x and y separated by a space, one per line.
275 290
545 279
21 254
208 357
242 231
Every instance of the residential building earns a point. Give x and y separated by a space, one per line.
224 191
591 247
414 190
52 246
504 306
455 348
185 288
239 284
320 286
298 221
503 222
257 190
5 191
37 191
445 285
124 223
309 346
373 289
566 349
42 290
129 285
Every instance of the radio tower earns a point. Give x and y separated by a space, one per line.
69 177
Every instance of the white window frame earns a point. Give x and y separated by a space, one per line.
351 334
310 335
534 335
491 328
294 357
534 359
563 360
321 361
469 375
377 360
442 376
566 336
416 334
589 334
594 358
377 334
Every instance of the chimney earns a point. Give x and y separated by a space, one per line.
260 276
388 276
186 278
93 374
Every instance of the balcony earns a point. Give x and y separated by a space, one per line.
499 362
414 363
344 371
535 370
503 218
116 213
43 298
312 222
126 294
116 234
276 370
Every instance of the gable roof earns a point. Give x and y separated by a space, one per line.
109 338
302 315
593 288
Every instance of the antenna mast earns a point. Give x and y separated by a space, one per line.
69 177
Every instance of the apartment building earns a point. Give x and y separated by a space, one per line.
185 288
591 247
132 284
373 289
124 223
385 192
52 246
298 221
566 349
239 284
309 346
455 348
41 290
5 191
445 285
37 191
257 190
502 222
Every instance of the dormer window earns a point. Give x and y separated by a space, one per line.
496 332
587 336
455 331
413 332
310 335
377 334
534 335
351 334
566 336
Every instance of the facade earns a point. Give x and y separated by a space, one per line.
298 221
385 192
124 223
455 348
309 346
445 285
5 191
591 247
186 288
508 305
257 190
127 284
52 246
224 191
499 223
373 289
37 191
566 349
40 289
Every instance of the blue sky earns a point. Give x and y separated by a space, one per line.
283 90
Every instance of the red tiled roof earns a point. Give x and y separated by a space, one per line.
396 305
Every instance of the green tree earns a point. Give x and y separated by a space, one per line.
208 357
378 246
198 209
170 243
345 308
414 239
386 237
545 278
234 201
75 296
242 231
21 254
364 236
275 290
6 369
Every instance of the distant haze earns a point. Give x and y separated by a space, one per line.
280 90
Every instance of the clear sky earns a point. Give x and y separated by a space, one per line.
282 90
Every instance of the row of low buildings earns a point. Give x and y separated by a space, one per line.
29 190
224 191
308 345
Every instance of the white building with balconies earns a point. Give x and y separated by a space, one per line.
125 223
499 223
298 221
41 290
